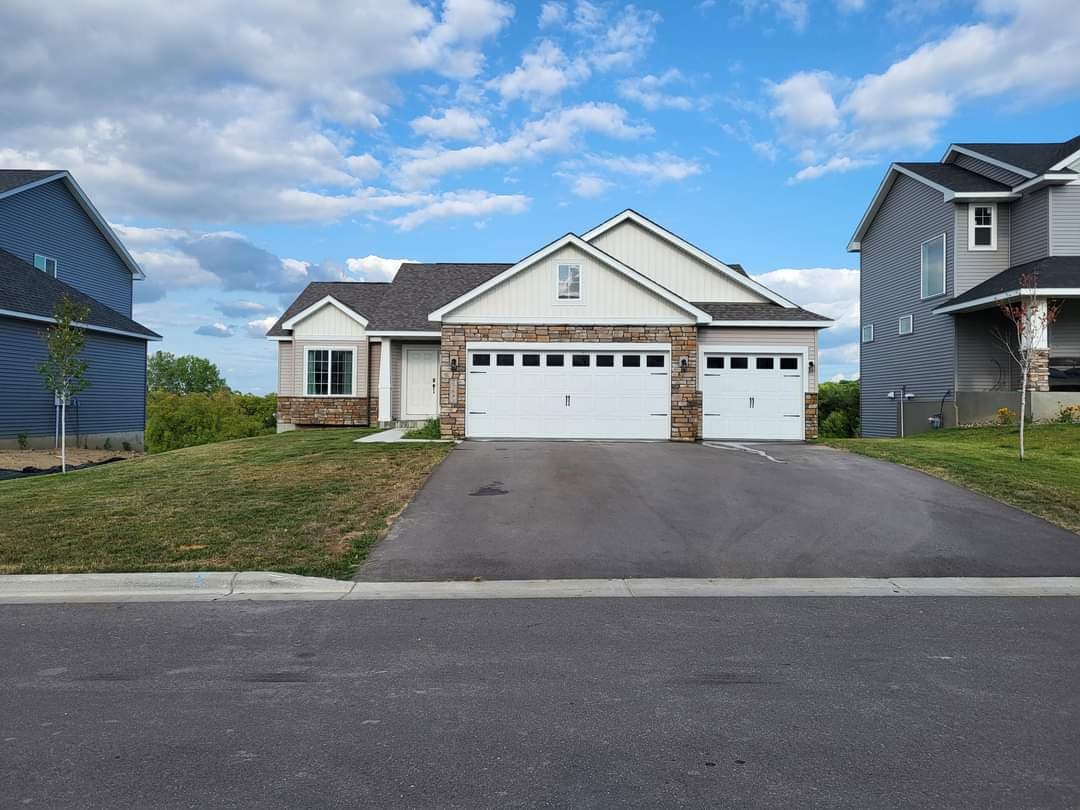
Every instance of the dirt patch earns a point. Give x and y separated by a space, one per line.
17 459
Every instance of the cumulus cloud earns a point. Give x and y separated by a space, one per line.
544 72
659 167
468 203
585 185
804 101
829 291
652 93
453 124
240 308
259 327
838 164
374 268
217 330
552 14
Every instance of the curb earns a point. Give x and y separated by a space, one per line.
269 586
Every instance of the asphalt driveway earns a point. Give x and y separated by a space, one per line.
535 510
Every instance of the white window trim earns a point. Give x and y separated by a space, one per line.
862 334
44 264
355 361
993 226
572 302
944 267
900 325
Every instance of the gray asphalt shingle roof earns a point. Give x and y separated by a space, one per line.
1052 272
954 177
1034 157
746 311
361 297
25 289
13 178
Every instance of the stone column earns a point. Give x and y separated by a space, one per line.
1037 337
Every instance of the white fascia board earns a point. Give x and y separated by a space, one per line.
327 300
699 254
981 195
1042 292
1050 178
402 333
279 337
26 316
1001 164
91 211
823 324
1061 164
595 253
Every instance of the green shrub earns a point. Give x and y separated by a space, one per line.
429 430
24 441
185 420
838 409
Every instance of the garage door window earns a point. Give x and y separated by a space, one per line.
789 363
555 360
530 359
631 360
504 359
580 361
481 359
714 362
654 361
605 361
740 362
765 363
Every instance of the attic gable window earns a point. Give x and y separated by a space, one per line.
568 282
982 226
45 264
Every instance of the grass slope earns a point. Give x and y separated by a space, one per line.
305 502
1046 483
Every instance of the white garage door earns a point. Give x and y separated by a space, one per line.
568 393
752 396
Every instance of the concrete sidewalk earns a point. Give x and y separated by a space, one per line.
269 586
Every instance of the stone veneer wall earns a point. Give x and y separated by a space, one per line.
810 415
331 411
685 398
1039 371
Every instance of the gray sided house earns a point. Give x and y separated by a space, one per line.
626 331
941 246
54 243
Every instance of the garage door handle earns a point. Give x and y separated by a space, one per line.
567 400
477 413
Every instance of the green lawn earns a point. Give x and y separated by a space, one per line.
1046 483
305 502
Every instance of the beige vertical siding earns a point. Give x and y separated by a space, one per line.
606 296
286 385
374 353
666 264
328 322
764 336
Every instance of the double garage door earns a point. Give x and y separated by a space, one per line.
569 393
625 393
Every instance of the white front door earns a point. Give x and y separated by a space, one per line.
752 396
565 393
420 383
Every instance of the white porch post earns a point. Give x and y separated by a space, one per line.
386 387
1037 330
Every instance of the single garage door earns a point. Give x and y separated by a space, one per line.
567 393
752 396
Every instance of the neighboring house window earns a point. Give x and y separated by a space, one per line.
907 324
982 230
868 333
329 372
933 267
46 264
568 287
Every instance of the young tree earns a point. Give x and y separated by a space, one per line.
64 370
182 375
1029 317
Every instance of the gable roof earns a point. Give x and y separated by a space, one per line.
420 289
677 241
743 311
1055 275
360 297
588 249
953 178
1029 158
15 181
28 293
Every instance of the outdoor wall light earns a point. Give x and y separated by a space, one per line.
453 364
684 363
811 365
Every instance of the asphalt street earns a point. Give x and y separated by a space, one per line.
750 702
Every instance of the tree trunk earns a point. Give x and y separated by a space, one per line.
63 434
1023 408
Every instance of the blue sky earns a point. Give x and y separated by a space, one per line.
241 159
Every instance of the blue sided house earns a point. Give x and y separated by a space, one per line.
54 243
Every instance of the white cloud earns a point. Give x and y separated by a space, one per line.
838 164
217 330
844 353
258 328
794 12
455 124
240 308
658 167
851 5
464 204
803 101
363 167
842 377
374 268
543 73
829 291
552 14
613 39
650 91
585 185
558 131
